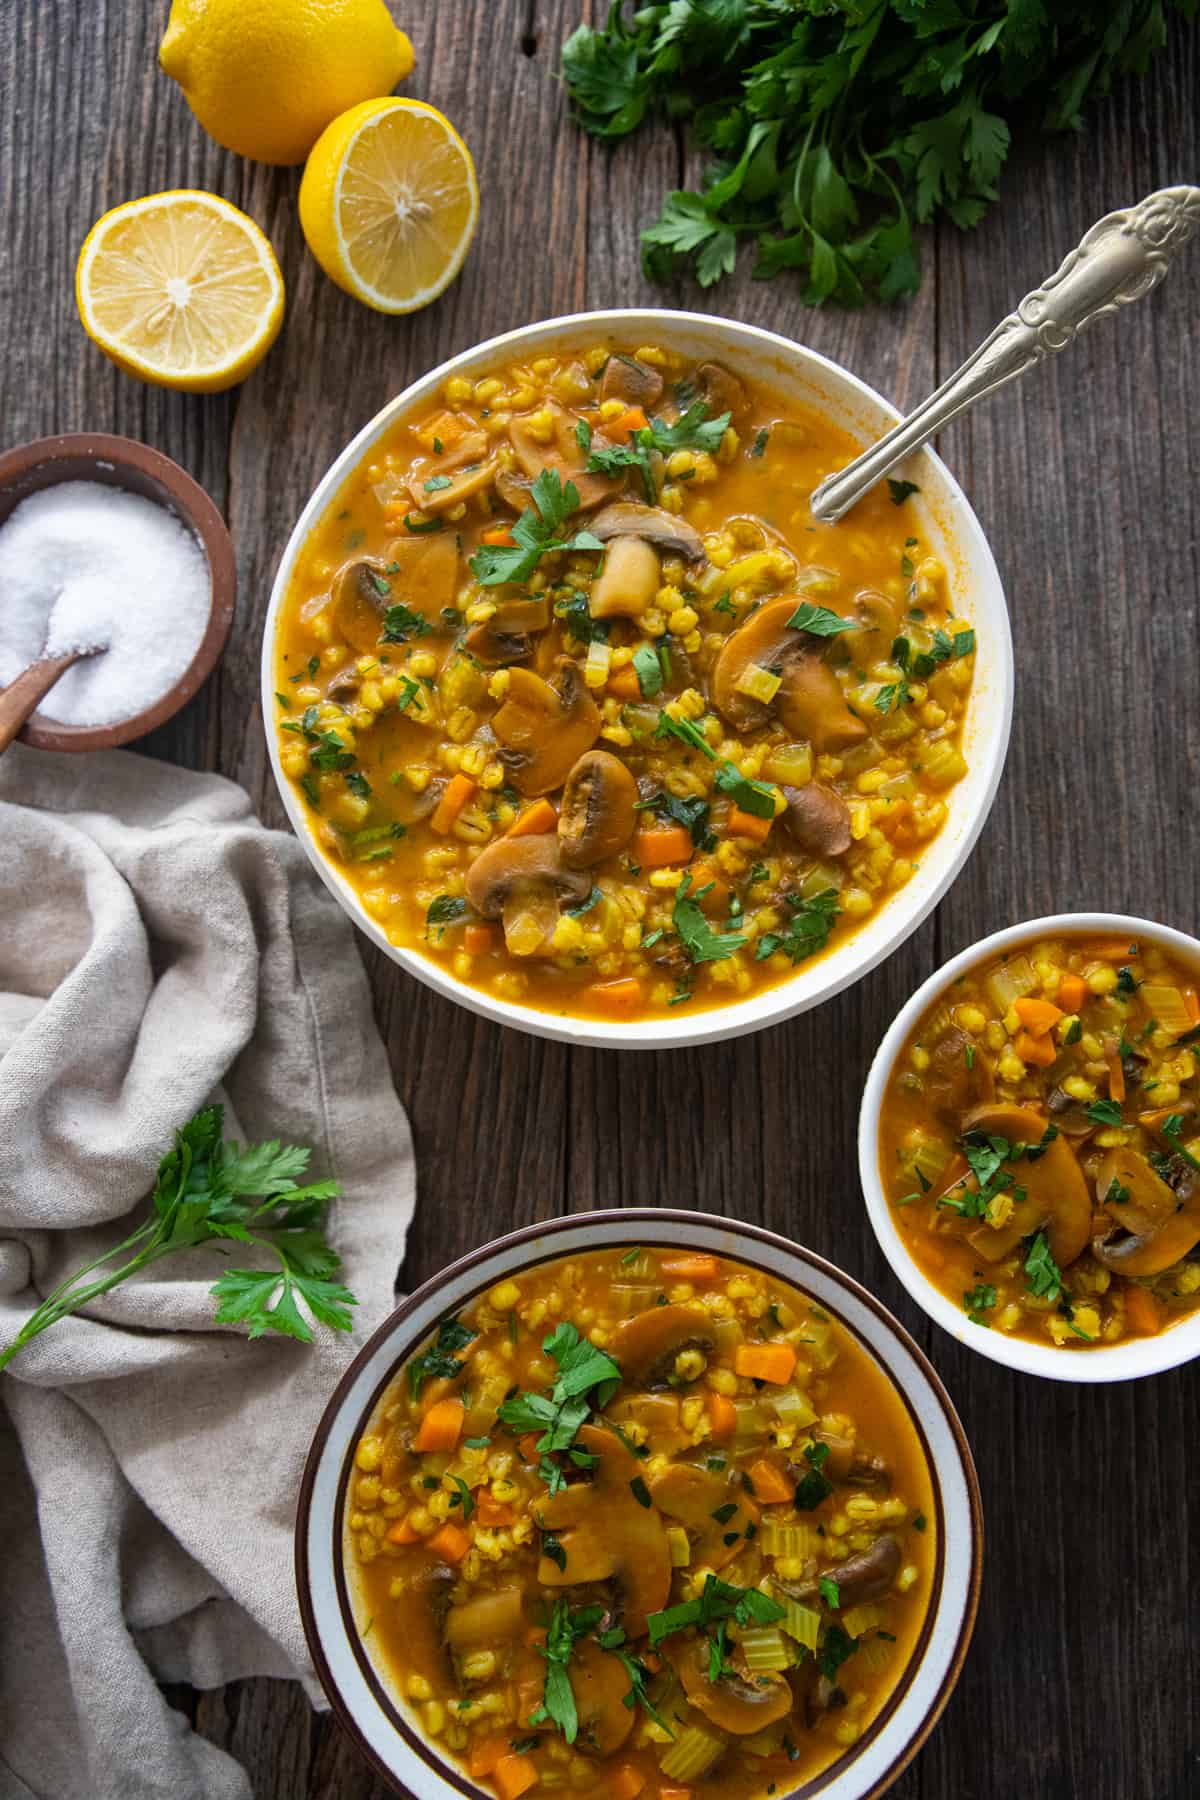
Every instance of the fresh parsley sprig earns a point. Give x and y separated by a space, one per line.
808 928
535 533
692 430
719 1600
697 936
208 1192
587 1379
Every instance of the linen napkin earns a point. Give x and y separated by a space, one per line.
158 949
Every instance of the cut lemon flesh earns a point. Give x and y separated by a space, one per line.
181 289
389 203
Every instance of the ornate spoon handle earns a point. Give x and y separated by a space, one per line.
1121 258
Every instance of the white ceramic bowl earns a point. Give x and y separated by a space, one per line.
382 1724
1112 1362
802 378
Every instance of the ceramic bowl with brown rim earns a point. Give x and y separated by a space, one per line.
134 468
366 1692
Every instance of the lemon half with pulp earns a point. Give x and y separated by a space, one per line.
389 203
181 289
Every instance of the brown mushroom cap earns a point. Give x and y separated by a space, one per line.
629 579
467 468
360 591
692 1495
720 390
597 816
817 818
1151 1228
634 382
495 648
486 1619
870 1574
809 701
511 865
1056 1193
951 1087
624 518
604 1530
600 1684
542 732
645 1344
564 455
736 1705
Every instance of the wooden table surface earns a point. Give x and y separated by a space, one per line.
1086 1660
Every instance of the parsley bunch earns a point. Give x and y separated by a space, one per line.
833 130
206 1192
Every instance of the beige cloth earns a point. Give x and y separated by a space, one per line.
159 948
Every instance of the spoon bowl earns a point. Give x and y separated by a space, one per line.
22 697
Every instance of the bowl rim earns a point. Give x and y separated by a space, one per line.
794 994
180 495
617 1225
1128 1361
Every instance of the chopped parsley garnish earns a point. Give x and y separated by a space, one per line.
702 943
1172 1127
640 1491
447 909
1041 1271
419 527
576 616
686 731
944 648
558 1698
892 695
649 670
400 623
464 1497
440 1361
979 1300
761 440
818 621
722 1514
900 490
754 797
815 1486
690 811
436 483
1127 982
409 689
807 930
1103 1112
719 1600
587 1376
829 1592
534 533
836 1646
358 785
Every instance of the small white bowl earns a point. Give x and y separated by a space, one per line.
801 378
383 1725
1112 1362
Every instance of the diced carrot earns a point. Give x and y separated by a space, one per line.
441 1427
1116 1074
513 1775
695 1267
1152 1121
673 1793
451 1542
528 1445
1072 991
497 534
492 1512
765 1362
657 846
1037 1016
402 1533
455 794
446 427
769 1485
395 510
633 419
716 900
625 1783
1192 1001
479 939
1039 1050
623 998
748 825
1141 1311
624 683
722 1416
536 819
484 1757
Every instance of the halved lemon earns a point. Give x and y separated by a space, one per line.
389 203
180 289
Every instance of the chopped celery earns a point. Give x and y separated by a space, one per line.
875 1654
823 1348
944 765
802 1623
727 1335
861 1618
751 1419
1011 981
1167 1005
694 1751
678 1545
630 1297
793 1408
860 757
928 1160
765 1649
796 1542
820 877
791 763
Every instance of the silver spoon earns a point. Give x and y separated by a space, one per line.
1121 258
23 696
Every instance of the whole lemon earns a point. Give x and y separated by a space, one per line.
265 77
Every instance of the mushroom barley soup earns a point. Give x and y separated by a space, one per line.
587 708
642 1523
1040 1147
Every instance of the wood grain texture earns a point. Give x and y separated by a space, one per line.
1082 1678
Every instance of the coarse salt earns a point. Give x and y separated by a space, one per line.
82 563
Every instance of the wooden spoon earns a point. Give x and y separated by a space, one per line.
23 696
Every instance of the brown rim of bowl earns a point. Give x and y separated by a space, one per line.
635 1216
124 463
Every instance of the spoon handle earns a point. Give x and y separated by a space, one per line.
1121 258
23 695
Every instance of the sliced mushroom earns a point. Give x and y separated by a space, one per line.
869 1575
597 817
628 580
604 1530
876 627
515 490
954 1082
495 648
736 1703
422 571
487 1619
511 867
625 518
361 590
720 390
694 1496
471 465
646 1345
600 1684
634 382
543 732
817 818
809 701
563 454
1070 1116
1056 1194
1152 1228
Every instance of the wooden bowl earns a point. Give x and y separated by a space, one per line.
123 463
